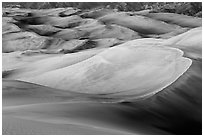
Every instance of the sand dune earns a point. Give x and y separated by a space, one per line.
98 32
68 71
16 60
8 28
96 13
181 20
136 117
104 70
49 63
190 42
139 23
44 30
22 41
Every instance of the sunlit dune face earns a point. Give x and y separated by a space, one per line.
190 42
139 70
138 23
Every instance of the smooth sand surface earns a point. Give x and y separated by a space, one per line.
181 20
107 71
138 23
190 42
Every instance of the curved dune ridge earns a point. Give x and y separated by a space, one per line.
139 23
190 42
182 20
179 101
68 71
108 71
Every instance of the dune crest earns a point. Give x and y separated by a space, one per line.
118 69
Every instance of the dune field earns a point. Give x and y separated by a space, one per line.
68 71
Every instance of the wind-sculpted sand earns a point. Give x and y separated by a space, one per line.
181 20
108 71
67 72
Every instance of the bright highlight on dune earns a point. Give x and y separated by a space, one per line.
139 70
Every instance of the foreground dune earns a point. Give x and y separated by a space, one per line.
107 71
179 105
47 63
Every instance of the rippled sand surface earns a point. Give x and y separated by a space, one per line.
101 72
